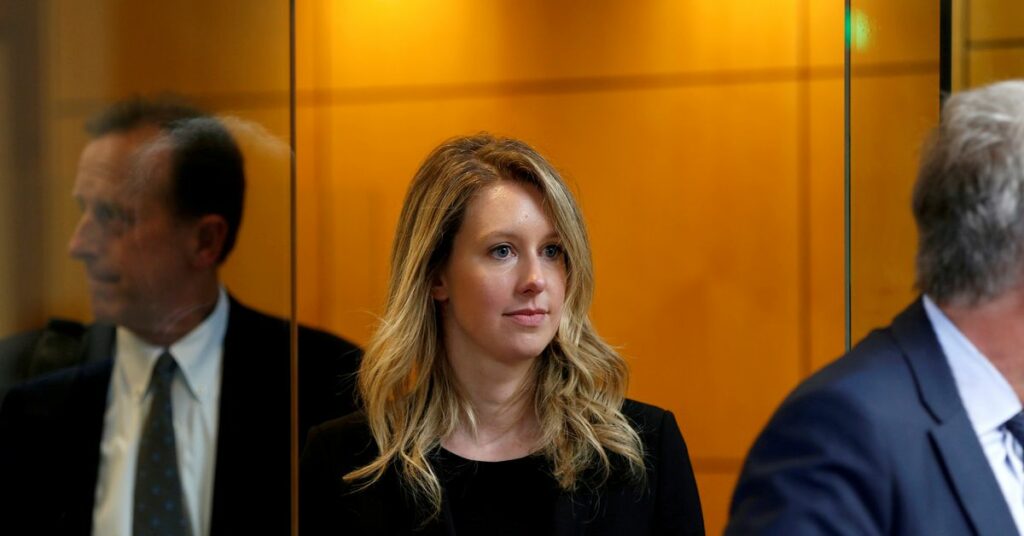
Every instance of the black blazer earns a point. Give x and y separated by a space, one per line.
669 504
26 355
877 443
50 429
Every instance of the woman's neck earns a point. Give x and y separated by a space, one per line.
502 403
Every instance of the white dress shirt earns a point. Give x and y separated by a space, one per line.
195 392
990 402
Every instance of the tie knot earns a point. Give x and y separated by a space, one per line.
164 369
1016 427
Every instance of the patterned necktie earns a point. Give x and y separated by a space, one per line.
1016 427
159 508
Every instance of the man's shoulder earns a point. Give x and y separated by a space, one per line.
15 357
61 344
890 363
353 425
44 393
19 344
875 368
348 440
260 325
873 387
52 393
315 338
842 439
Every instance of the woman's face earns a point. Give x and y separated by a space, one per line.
502 289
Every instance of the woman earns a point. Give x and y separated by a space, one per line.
491 404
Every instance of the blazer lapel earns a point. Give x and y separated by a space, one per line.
955 440
971 475
98 343
85 410
251 485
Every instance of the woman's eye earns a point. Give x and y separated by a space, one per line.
501 252
552 251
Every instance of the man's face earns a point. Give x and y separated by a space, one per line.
134 249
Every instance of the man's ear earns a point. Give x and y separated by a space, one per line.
211 232
439 288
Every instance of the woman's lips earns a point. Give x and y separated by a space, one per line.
530 317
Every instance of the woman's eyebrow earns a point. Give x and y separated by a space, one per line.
505 234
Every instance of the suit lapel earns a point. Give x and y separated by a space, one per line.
955 440
251 489
971 475
98 343
85 410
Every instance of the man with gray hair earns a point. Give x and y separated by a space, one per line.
918 429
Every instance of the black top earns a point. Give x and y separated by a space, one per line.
508 497
511 497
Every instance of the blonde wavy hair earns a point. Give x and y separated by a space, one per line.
409 391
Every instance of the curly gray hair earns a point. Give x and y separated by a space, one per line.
969 197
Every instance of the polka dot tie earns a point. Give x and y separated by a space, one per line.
159 503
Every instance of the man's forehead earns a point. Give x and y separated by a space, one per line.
123 163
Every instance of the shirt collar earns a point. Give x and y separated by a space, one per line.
136 357
985 393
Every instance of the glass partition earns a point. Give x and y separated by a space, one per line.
893 103
703 140
987 42
94 231
66 61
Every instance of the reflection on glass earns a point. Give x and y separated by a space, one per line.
134 269
987 42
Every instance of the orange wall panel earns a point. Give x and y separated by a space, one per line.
989 66
691 133
825 222
996 19
715 488
703 138
891 119
394 45
903 32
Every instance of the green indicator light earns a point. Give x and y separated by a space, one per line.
858 30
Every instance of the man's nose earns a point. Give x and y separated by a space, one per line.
82 245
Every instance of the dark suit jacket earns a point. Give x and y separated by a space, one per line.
61 344
668 503
876 443
50 429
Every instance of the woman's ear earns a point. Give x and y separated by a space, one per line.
439 289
